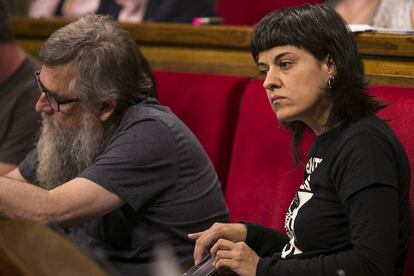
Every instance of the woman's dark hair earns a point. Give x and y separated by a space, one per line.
322 32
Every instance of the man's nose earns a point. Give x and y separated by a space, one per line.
42 105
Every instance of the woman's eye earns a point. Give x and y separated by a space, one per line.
263 71
284 64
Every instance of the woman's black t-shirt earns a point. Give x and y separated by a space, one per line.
351 212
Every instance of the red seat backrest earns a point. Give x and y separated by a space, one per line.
247 12
400 116
209 106
263 177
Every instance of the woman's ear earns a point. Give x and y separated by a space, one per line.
330 66
107 109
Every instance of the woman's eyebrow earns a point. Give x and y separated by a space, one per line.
279 56
275 59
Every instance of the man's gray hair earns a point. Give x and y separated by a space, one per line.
103 59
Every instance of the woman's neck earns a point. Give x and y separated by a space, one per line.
318 119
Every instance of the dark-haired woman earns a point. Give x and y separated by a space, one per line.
350 215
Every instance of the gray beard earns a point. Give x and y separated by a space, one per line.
63 154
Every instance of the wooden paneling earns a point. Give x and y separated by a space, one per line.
388 58
29 248
401 45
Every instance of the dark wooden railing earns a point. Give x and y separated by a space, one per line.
388 58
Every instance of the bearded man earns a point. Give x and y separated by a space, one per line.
119 172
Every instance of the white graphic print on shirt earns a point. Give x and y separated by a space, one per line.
302 196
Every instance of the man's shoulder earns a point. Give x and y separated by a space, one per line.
149 111
148 119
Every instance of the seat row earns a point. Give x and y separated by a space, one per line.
232 119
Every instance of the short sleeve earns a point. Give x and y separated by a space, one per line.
366 159
138 163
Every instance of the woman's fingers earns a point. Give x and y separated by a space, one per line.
223 254
221 244
199 249
205 239
199 246
224 264
237 257
203 244
195 236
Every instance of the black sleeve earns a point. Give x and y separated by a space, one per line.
263 240
374 239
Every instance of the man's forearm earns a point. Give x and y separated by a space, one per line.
20 200
6 167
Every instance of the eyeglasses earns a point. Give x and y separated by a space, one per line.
54 103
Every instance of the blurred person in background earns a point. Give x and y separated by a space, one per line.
133 11
18 95
394 14
18 7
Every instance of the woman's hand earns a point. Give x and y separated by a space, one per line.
235 232
237 257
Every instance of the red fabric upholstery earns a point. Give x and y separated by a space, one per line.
263 177
247 12
400 116
209 106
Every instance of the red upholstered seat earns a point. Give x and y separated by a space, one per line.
209 106
263 177
247 12
400 116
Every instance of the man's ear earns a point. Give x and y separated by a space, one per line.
106 110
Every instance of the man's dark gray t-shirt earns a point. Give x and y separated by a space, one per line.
169 186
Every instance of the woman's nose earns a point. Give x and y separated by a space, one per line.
271 82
